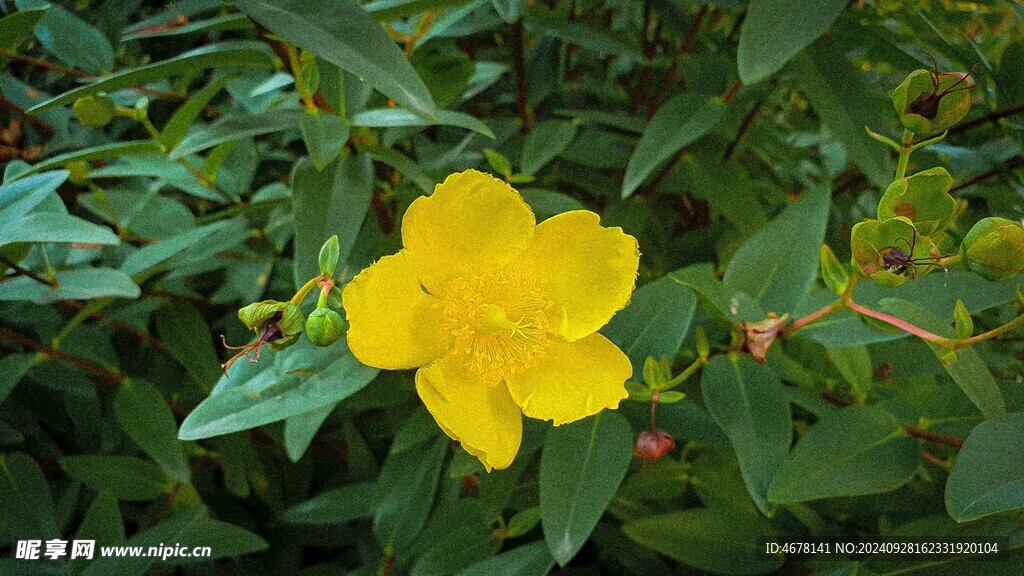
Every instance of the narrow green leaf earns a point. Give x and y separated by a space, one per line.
149 257
776 30
237 127
407 486
528 560
219 23
129 478
988 476
681 121
28 510
19 197
329 253
962 321
101 152
102 523
302 378
721 541
837 93
749 403
332 202
223 55
186 114
851 452
324 135
778 265
12 369
74 41
16 28
300 429
398 117
80 284
56 227
144 415
581 468
336 506
342 33
655 323
546 141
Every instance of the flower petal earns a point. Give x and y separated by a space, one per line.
480 415
393 323
471 221
573 380
588 271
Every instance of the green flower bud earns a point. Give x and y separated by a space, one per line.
890 251
95 111
994 248
79 171
835 276
929 102
286 316
324 326
923 199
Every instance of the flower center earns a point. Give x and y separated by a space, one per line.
495 322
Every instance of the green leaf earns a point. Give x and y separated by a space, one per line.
300 379
969 371
144 415
13 368
336 506
588 36
237 127
962 321
188 529
988 476
342 33
854 363
186 114
223 55
102 523
655 323
129 478
528 560
55 227
398 117
550 202
779 263
546 141
581 468
19 197
216 24
101 152
149 257
749 403
510 10
332 202
74 41
727 304
16 28
679 122
300 429
836 91
28 510
722 541
329 253
851 452
80 284
776 30
324 135
408 483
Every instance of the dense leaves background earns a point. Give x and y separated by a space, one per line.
728 137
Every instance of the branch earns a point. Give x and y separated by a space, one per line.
27 273
898 323
992 117
923 434
1011 164
519 71
94 369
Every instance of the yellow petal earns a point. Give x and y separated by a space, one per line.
588 271
573 380
480 415
393 323
472 221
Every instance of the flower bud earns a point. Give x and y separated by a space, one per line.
759 336
653 444
78 172
95 111
994 248
923 199
929 102
324 326
286 316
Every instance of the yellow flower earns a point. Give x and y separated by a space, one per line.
499 314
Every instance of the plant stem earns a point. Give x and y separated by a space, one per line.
946 439
905 150
814 316
1012 324
901 324
94 369
305 290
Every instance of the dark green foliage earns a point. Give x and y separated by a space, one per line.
168 163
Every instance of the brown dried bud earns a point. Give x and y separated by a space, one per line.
653 444
760 335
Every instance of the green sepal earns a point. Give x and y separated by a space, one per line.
832 272
963 320
871 239
923 199
994 248
907 99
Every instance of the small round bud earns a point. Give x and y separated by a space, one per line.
324 326
653 444
994 248
95 111
79 171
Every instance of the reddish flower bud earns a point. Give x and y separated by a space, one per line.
653 444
